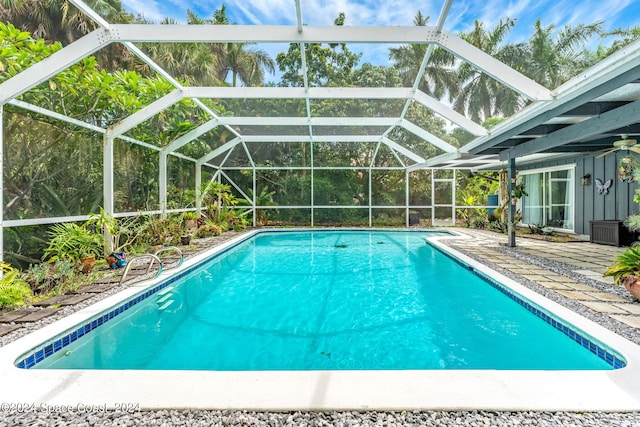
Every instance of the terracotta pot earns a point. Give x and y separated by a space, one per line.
632 284
88 263
191 224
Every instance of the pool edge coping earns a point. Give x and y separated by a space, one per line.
598 390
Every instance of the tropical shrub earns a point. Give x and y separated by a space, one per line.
162 231
72 241
14 291
209 229
627 264
55 277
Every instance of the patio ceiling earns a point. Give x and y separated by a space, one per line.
586 114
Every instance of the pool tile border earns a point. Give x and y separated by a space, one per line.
50 347
610 357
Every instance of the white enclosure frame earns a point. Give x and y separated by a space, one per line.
541 98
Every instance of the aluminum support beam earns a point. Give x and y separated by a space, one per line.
220 150
305 138
297 93
402 150
145 113
494 68
107 175
162 183
449 113
427 136
191 135
54 115
304 121
52 65
199 188
272 34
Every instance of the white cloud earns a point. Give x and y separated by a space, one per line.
149 9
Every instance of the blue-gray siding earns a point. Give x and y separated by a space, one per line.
589 204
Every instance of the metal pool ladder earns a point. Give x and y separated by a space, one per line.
153 258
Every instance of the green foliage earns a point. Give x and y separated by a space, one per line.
162 231
215 197
56 277
14 291
328 65
633 222
209 229
117 234
72 241
627 263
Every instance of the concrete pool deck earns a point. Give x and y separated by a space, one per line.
617 390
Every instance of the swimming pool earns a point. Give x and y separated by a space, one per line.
360 389
345 300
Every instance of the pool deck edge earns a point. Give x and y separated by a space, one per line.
617 390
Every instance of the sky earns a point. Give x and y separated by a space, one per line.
614 14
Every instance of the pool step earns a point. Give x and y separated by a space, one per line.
163 300
165 305
164 297
165 290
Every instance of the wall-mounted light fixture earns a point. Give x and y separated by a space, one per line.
586 180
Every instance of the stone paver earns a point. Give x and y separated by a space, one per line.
629 320
12 316
62 300
604 296
603 307
633 308
554 285
577 295
37 315
94 289
581 287
5 329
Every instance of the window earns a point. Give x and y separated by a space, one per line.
549 202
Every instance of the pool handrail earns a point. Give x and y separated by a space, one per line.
172 249
131 262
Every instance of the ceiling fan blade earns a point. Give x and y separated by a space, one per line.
635 148
609 151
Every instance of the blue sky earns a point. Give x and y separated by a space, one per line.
614 13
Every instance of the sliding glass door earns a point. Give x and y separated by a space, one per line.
549 202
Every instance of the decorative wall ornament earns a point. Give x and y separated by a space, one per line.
603 187
625 169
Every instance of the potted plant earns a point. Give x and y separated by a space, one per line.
626 270
185 239
190 220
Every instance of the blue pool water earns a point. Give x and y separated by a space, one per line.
327 300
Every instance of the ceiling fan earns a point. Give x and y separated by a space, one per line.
625 143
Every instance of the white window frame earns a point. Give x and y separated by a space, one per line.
546 206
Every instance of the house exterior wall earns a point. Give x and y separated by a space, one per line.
590 205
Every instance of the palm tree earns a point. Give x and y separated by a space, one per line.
194 63
439 77
59 20
247 64
552 61
480 96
